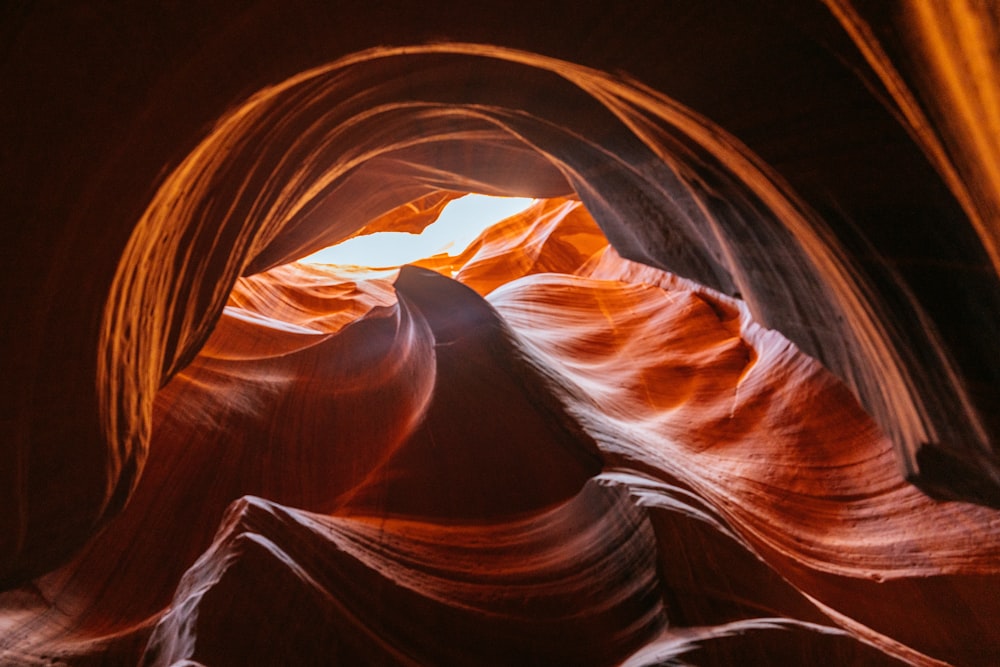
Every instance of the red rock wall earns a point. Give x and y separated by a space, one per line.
574 458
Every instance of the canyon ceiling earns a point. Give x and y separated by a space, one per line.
727 393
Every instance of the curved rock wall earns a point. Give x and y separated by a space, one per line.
830 167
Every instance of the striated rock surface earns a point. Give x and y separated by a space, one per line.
727 394
597 463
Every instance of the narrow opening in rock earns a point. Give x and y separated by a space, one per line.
461 221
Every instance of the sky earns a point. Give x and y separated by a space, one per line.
458 225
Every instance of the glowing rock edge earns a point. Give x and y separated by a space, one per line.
726 395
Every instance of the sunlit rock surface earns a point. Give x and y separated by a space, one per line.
767 436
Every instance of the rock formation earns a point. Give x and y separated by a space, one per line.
726 394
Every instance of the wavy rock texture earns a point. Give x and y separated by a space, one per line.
596 463
744 414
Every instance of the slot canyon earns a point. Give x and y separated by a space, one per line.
726 393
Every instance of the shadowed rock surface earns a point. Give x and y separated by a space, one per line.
726 394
